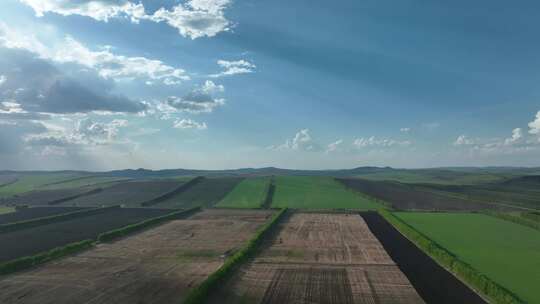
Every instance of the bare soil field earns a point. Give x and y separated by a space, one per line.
320 258
405 197
37 239
46 197
35 212
131 193
159 265
434 283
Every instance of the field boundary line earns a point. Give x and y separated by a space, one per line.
515 219
200 293
69 198
477 281
269 197
180 189
340 180
9 227
130 229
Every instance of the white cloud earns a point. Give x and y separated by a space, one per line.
517 135
234 67
463 140
107 64
2 79
534 126
334 146
97 9
302 141
405 130
190 124
378 142
195 18
199 100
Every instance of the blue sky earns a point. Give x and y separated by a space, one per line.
110 84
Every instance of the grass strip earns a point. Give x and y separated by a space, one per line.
533 216
270 190
496 293
121 232
52 219
200 293
31 261
517 219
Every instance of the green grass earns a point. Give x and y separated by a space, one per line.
30 182
506 252
250 193
310 192
435 176
4 210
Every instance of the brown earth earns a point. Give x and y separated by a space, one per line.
159 265
320 258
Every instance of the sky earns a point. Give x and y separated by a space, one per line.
215 84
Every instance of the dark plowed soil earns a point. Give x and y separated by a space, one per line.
33 213
312 285
434 284
37 239
405 197
45 197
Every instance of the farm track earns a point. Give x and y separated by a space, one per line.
319 258
434 283
159 265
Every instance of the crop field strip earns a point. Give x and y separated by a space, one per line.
309 192
406 197
206 193
41 238
507 253
319 258
24 214
159 265
249 193
131 193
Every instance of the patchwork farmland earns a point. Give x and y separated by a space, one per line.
342 240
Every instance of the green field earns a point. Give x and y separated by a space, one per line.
30 182
206 193
250 193
506 252
435 176
312 192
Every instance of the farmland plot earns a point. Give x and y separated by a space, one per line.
128 193
249 193
37 239
320 258
33 213
206 193
159 265
46 197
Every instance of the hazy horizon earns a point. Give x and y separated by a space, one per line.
102 85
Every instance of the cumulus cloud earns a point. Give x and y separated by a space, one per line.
302 141
534 126
199 100
189 124
2 79
517 135
107 64
463 140
234 67
193 19
35 85
334 146
405 130
101 10
378 142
